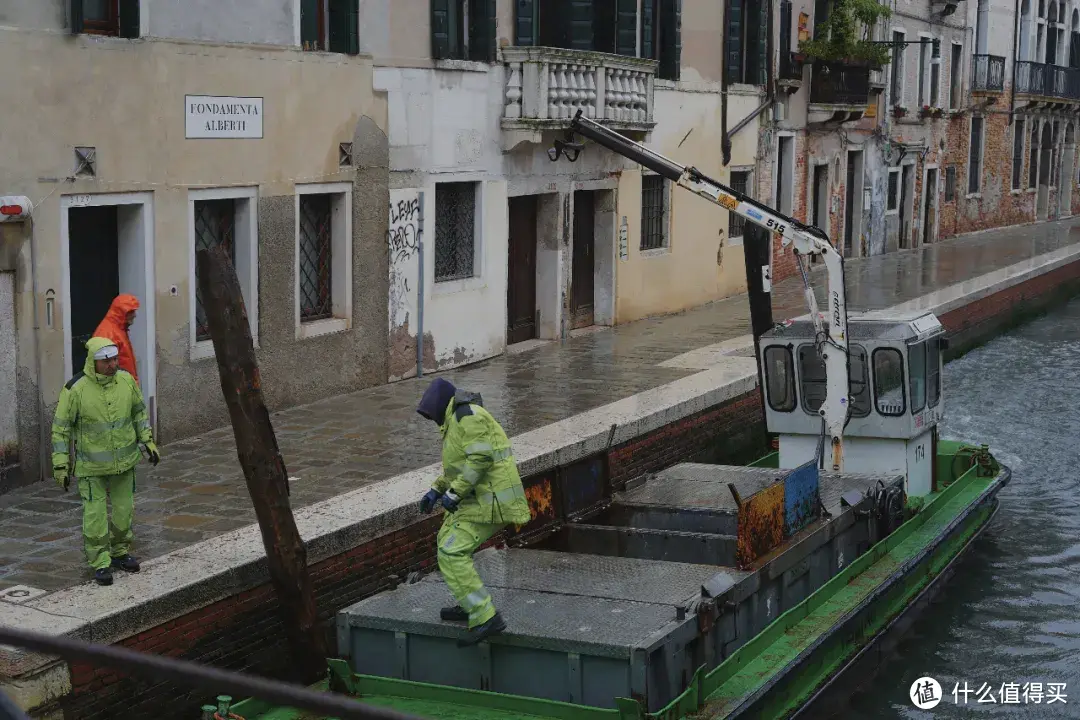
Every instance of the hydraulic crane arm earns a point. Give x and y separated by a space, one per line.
832 337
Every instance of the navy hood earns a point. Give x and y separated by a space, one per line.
436 398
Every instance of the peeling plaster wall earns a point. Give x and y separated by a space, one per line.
312 102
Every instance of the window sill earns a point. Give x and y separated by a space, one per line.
1015 192
462 65
736 241
974 196
892 212
1031 190
655 252
317 328
451 287
204 349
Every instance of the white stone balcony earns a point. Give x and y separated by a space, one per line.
545 87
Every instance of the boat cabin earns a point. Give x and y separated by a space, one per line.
895 394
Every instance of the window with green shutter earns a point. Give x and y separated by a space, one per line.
747 42
330 25
452 40
526 22
670 51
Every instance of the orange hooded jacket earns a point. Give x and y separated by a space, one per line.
114 327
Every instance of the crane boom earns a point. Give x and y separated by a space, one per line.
832 336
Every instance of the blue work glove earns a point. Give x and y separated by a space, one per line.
450 501
427 503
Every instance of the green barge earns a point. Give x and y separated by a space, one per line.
702 591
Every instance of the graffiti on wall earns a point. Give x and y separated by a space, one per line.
403 244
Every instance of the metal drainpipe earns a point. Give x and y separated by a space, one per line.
1015 51
420 289
725 140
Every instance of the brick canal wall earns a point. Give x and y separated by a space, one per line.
244 631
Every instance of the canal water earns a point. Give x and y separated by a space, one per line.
1011 612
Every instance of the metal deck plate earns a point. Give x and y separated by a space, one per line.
599 576
563 623
706 486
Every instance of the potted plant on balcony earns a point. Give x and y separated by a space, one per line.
899 111
925 111
845 35
937 113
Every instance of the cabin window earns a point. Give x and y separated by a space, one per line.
917 376
815 386
859 385
780 378
813 379
889 381
933 372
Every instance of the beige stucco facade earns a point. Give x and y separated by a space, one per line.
126 99
699 265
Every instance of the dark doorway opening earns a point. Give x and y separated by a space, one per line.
521 271
583 268
95 273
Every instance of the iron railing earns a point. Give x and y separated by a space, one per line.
839 84
988 73
1034 78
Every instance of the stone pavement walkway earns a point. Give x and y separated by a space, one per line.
341 443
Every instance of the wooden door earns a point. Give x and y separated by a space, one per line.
95 273
521 273
581 290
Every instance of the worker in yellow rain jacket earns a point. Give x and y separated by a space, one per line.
102 407
481 491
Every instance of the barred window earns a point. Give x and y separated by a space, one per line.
653 227
950 183
892 201
740 179
455 230
316 300
215 225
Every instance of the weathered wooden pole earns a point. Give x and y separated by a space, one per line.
264 468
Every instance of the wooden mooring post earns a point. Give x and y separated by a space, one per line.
264 468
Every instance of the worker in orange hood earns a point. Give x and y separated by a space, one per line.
115 327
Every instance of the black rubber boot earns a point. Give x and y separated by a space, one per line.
454 614
494 626
103 576
126 563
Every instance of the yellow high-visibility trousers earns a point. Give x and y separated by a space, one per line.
458 540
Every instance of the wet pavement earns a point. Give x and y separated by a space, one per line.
337 445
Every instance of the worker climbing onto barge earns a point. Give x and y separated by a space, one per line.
481 492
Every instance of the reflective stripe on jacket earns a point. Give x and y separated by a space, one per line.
106 416
479 466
